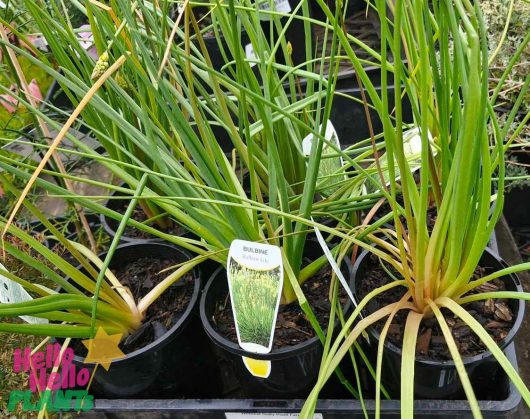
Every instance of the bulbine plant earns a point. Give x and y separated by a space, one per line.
447 85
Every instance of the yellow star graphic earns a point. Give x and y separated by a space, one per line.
103 349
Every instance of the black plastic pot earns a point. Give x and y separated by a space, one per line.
294 369
439 379
326 408
174 365
516 207
57 97
110 225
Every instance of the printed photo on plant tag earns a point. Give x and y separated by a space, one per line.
255 280
329 178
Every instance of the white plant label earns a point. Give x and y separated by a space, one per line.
412 151
282 6
255 281
41 43
333 264
337 271
328 166
12 292
412 147
250 54
243 415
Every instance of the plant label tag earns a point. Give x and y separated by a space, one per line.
255 281
333 264
250 54
41 43
412 147
337 271
245 415
260 368
412 151
328 166
282 6
12 292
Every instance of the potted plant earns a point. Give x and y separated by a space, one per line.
128 294
424 282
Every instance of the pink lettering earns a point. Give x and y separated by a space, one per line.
21 361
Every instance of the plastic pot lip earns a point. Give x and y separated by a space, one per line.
234 348
466 360
177 327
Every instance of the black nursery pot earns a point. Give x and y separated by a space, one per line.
110 226
439 379
294 369
57 97
516 207
173 365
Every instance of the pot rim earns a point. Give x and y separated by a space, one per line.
178 327
465 360
106 226
275 354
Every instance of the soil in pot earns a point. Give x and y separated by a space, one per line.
140 277
495 315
